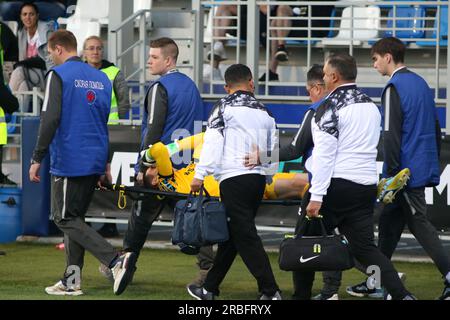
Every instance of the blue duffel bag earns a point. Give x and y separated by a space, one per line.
200 221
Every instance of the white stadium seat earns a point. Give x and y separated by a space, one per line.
87 20
366 23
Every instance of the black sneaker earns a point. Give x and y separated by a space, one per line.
282 54
272 77
199 293
446 293
321 296
361 290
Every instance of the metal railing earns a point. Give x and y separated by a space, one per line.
432 65
141 18
15 139
118 54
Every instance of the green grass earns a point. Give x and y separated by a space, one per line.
163 275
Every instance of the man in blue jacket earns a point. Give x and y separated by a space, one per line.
74 121
171 107
411 139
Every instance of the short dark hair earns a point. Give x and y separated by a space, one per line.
315 74
63 38
236 74
391 45
344 64
29 4
167 45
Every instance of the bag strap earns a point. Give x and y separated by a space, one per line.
322 226
305 223
202 188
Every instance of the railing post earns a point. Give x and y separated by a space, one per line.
198 43
447 97
35 109
124 38
142 59
253 40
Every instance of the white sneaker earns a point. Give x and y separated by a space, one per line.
219 52
123 271
59 289
276 296
402 277
106 272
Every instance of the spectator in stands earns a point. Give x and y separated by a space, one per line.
278 49
68 129
411 139
171 107
34 60
346 132
8 103
237 123
120 100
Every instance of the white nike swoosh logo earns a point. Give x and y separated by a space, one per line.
307 259
57 179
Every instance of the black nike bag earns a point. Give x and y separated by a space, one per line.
315 253
200 221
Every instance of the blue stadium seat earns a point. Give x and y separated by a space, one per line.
10 10
50 10
415 25
443 28
390 6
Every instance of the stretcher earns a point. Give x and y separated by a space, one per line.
141 193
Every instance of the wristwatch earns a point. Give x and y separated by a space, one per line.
34 162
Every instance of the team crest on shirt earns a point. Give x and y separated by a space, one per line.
91 96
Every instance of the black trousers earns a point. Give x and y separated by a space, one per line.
70 200
143 213
409 208
242 196
349 206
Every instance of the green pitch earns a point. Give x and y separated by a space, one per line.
27 269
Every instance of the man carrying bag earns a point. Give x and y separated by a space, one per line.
237 124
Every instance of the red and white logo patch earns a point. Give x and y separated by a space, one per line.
91 96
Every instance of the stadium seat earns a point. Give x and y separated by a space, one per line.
10 10
387 5
87 10
50 10
443 30
366 23
87 20
345 3
82 29
415 25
